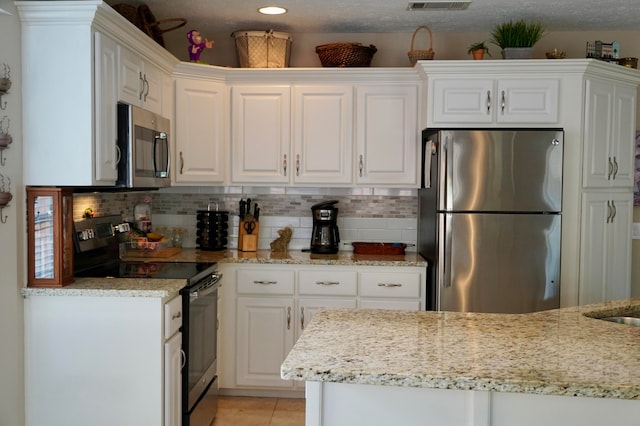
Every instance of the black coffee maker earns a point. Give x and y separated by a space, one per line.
325 236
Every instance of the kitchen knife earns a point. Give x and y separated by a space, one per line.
248 206
256 211
242 209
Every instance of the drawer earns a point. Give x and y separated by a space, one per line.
260 281
401 305
390 284
172 316
328 283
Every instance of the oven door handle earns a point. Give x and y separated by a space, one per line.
207 288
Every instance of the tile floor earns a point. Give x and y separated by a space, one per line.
249 411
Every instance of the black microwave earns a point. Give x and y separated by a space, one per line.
143 145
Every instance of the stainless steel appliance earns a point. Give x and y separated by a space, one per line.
490 219
97 255
325 236
143 142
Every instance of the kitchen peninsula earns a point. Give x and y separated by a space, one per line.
381 367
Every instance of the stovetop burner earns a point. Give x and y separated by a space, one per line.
132 269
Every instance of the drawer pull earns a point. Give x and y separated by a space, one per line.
176 315
389 285
265 282
289 318
327 282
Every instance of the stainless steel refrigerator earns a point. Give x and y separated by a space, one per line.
490 217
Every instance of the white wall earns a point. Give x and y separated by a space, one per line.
12 233
393 47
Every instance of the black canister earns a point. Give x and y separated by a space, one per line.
212 230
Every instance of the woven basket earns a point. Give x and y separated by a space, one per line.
345 54
420 55
262 49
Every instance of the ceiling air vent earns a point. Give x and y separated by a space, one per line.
438 5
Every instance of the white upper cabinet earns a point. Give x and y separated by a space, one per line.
387 135
260 134
200 132
106 155
140 83
322 134
69 115
609 134
458 102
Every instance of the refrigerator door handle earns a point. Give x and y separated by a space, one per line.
444 196
444 251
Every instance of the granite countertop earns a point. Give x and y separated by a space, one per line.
165 288
296 258
110 287
557 352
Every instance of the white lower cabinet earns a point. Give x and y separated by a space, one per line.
102 360
606 250
266 308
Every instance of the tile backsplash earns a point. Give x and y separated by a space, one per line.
368 218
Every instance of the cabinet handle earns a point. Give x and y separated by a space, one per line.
284 164
141 86
181 162
488 102
615 167
289 318
265 282
176 315
610 169
298 165
118 154
301 317
389 285
146 85
502 102
609 211
361 165
183 357
614 210
327 282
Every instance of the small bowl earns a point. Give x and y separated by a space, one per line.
628 62
5 198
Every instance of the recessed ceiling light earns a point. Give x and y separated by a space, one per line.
272 10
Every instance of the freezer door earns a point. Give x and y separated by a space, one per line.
501 170
503 263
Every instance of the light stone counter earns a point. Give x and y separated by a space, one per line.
557 352
296 258
164 288
113 287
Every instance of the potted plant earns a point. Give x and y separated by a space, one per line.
477 50
519 35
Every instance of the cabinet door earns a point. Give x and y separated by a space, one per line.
460 101
130 77
308 306
605 261
609 135
527 101
106 71
260 134
265 335
153 81
200 131
387 135
323 134
173 381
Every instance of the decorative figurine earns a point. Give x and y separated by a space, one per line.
197 46
281 244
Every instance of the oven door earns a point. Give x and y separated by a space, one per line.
200 344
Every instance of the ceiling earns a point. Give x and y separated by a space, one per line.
379 16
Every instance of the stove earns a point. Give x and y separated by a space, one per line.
192 271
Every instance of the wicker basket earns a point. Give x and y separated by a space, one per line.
345 54
262 49
420 55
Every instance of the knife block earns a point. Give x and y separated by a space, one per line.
248 242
